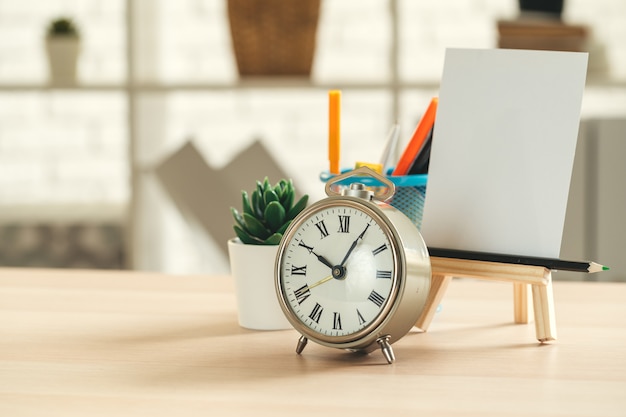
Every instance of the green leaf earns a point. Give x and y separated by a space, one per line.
274 215
238 218
284 227
254 227
290 195
260 204
267 212
247 207
262 187
287 200
273 239
245 237
279 191
298 207
284 186
289 185
257 204
269 196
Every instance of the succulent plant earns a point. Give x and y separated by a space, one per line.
63 26
267 212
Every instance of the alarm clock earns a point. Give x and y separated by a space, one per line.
352 272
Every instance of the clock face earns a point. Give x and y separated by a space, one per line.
337 269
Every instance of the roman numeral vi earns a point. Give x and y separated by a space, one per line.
336 321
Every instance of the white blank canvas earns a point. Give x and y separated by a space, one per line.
503 149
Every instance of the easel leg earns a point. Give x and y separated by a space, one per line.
438 286
543 302
522 298
521 276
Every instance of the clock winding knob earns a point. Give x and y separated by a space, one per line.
358 190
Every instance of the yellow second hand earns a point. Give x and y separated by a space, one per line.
321 281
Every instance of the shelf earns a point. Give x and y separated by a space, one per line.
269 83
63 213
39 87
277 83
258 83
288 83
159 104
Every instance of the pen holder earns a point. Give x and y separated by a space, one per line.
409 197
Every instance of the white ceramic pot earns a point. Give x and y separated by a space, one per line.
252 267
63 59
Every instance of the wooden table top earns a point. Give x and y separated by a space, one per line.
96 343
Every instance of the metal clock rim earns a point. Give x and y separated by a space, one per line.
372 330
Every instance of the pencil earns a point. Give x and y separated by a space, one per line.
422 160
334 137
417 140
550 263
388 158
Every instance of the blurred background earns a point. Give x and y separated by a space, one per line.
78 155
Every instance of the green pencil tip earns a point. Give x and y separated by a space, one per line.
605 268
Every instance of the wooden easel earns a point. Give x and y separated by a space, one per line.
522 276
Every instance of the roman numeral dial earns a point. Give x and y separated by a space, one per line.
321 226
298 270
316 313
337 270
302 293
376 298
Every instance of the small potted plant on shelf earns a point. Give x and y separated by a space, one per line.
63 49
266 214
541 8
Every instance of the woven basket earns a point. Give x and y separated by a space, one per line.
274 37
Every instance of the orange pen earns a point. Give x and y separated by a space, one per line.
334 136
417 140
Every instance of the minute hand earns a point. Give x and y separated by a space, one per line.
356 241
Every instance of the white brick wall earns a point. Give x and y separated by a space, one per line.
223 123
429 27
63 148
353 44
607 20
22 30
66 147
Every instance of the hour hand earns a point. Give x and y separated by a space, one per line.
319 257
323 260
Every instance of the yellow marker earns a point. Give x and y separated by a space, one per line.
376 167
334 137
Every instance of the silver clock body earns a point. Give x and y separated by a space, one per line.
382 292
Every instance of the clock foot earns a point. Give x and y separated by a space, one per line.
301 344
385 347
